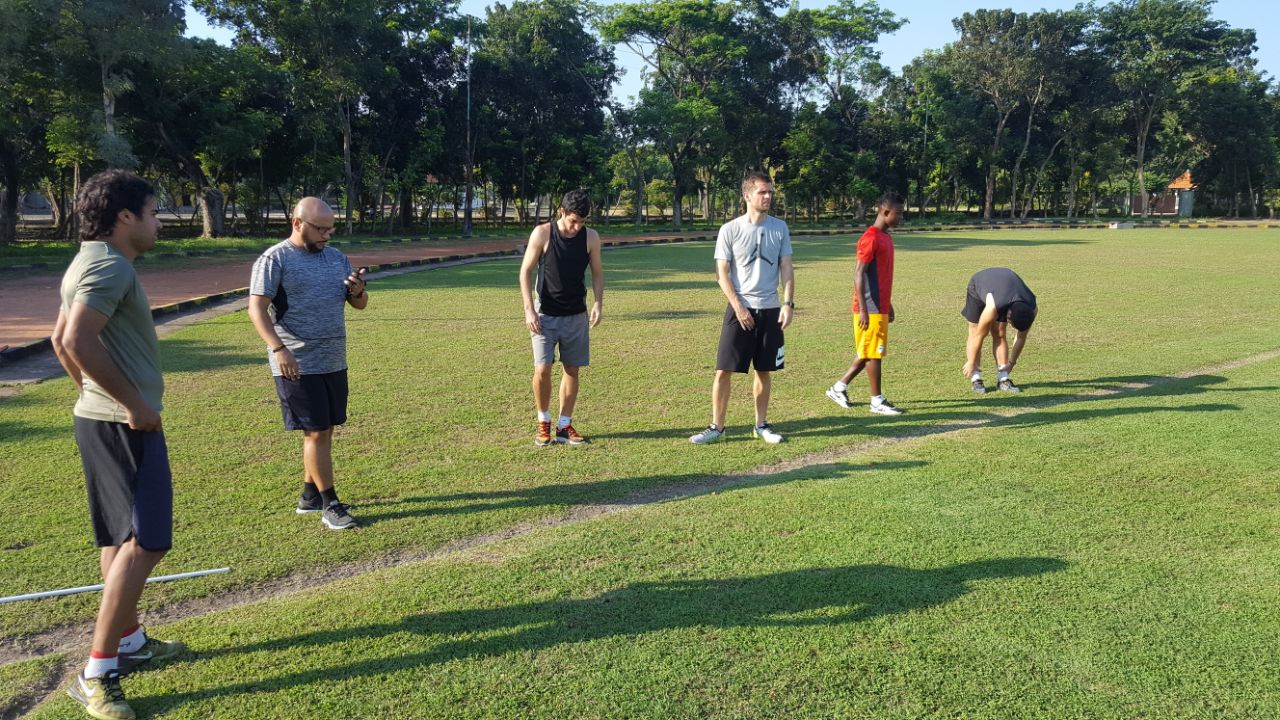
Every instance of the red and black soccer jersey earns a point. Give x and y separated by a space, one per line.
875 250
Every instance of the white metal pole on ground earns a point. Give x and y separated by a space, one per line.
92 588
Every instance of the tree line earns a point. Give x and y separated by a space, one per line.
397 110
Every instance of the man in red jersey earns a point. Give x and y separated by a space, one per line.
872 307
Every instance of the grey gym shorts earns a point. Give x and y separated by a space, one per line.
570 332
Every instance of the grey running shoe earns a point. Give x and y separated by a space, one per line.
839 397
1008 386
336 517
151 651
766 433
710 435
885 408
310 505
978 387
101 697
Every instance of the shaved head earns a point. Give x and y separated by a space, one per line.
313 224
313 209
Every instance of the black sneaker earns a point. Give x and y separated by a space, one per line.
310 504
1008 386
978 387
336 517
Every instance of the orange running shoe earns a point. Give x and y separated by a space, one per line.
567 434
544 436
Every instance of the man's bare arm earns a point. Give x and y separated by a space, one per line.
81 338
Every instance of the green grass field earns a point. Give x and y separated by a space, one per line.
1105 545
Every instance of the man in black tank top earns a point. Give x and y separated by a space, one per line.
555 310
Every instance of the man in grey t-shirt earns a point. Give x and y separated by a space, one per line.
297 297
753 253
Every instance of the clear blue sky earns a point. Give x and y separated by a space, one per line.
928 26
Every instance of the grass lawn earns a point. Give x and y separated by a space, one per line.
1099 557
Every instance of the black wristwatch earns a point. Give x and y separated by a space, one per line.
791 304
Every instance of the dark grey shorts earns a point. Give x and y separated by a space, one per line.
570 332
130 486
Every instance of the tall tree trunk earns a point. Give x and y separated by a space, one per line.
1072 181
73 219
55 204
677 203
212 209
988 203
9 201
1144 127
344 120
1035 186
406 208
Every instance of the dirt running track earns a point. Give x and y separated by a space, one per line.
29 303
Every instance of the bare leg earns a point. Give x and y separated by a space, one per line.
317 457
873 376
973 349
569 390
542 387
853 370
123 582
720 397
762 389
1000 344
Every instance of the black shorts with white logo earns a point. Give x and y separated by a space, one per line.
130 486
313 402
761 347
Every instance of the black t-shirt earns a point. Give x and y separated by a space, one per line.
1004 285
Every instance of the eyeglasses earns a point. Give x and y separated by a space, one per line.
322 229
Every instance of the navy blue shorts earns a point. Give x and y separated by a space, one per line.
130 486
313 402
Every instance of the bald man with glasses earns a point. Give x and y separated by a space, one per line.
297 298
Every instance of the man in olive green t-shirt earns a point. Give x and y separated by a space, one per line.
106 341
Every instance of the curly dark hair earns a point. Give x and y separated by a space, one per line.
103 196
577 202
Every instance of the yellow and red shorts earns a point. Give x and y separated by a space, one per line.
871 343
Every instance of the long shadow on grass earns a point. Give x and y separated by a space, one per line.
620 491
794 599
934 243
950 413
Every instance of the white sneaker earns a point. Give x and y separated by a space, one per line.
765 432
710 435
839 397
885 408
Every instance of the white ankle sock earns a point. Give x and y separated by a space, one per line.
97 667
133 641
839 386
877 399
976 376
544 416
564 421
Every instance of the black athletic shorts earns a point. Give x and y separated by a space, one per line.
130 487
761 346
974 305
313 402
